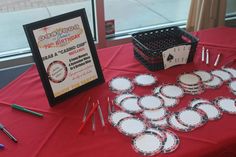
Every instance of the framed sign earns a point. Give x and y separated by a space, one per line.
65 55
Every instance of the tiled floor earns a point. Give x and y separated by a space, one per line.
9 75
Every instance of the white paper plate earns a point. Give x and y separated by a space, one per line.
130 105
196 101
216 82
158 131
172 142
145 80
204 75
156 90
157 114
232 86
191 117
159 123
194 91
189 79
168 102
121 97
150 102
231 70
148 143
115 117
193 87
224 75
226 104
212 111
120 85
172 91
131 126
175 124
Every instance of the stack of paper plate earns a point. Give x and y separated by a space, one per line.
191 83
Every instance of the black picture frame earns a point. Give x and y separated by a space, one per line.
65 55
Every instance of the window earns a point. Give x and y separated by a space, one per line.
129 16
231 8
133 15
15 13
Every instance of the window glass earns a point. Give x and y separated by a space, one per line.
231 8
132 15
15 13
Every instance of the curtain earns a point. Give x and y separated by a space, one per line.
205 14
15 5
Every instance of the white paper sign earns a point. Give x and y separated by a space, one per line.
66 55
176 55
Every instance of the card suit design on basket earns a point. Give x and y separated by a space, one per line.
170 57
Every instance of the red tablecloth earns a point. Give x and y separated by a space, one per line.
56 133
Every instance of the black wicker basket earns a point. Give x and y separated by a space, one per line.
149 45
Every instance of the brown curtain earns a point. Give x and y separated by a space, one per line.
206 14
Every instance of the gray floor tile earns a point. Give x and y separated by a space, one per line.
9 75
